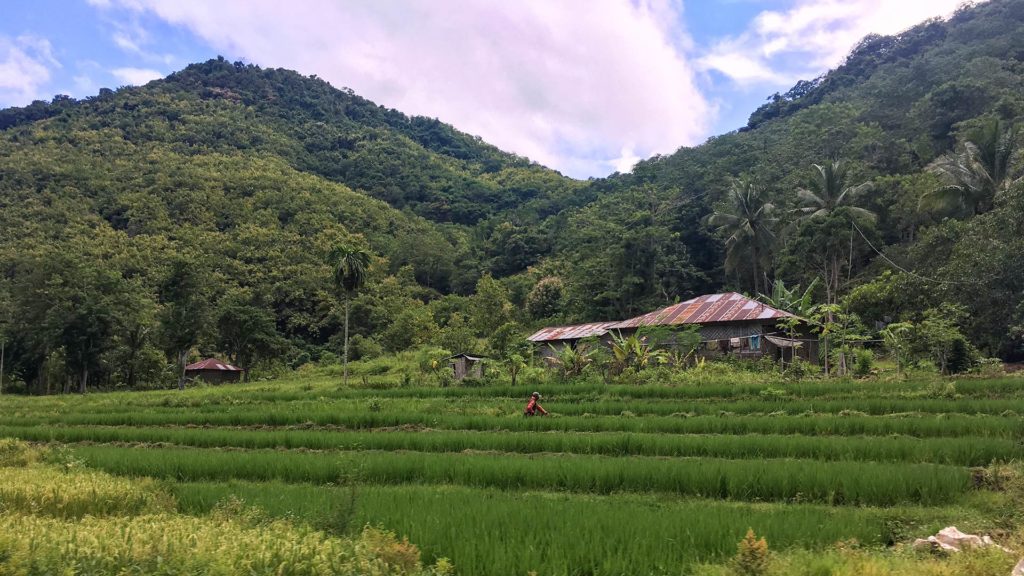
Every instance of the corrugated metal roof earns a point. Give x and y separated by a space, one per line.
708 309
574 332
213 364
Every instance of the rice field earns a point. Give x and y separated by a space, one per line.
652 479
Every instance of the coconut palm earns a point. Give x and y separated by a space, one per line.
977 172
350 267
828 191
747 222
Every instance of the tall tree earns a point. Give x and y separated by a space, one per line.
350 268
747 222
829 195
185 312
978 172
246 329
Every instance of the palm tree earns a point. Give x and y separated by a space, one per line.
977 172
747 223
350 266
828 193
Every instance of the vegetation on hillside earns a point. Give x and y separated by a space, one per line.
198 215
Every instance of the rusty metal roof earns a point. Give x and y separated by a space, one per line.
708 309
213 364
574 332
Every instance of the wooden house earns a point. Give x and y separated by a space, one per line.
730 324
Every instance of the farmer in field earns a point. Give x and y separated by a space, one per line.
533 407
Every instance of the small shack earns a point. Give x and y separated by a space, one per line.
213 371
466 366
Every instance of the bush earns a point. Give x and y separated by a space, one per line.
864 362
329 359
961 356
798 369
365 348
751 556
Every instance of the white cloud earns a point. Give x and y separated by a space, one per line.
582 86
25 65
135 76
780 47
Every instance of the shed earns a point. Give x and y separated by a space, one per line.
467 366
213 371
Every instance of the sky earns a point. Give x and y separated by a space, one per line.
587 87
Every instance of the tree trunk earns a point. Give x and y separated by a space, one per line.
182 356
346 342
84 381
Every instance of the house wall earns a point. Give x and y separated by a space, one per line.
464 368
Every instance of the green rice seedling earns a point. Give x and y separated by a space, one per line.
314 390
832 482
811 424
964 451
516 532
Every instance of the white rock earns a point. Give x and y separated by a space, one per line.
1018 570
957 539
949 539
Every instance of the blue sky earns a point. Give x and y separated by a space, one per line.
584 86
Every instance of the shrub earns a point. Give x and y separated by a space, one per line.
751 556
798 369
961 356
864 362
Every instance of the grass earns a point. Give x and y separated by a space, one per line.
810 424
494 532
645 479
863 483
965 451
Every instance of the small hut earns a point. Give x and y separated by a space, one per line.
466 366
213 371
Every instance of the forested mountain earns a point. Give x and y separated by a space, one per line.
239 183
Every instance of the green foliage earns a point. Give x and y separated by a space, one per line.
748 225
979 171
254 176
634 353
864 362
897 338
546 299
412 327
571 361
456 335
489 307
938 337
792 299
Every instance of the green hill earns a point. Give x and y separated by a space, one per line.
242 181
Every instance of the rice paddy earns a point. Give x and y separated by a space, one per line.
651 479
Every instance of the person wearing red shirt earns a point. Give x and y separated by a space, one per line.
533 407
